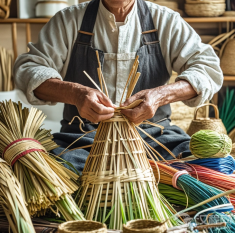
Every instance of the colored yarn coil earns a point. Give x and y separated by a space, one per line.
210 144
224 165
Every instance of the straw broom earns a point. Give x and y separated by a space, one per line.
44 181
117 182
11 201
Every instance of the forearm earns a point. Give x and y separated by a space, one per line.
178 91
55 90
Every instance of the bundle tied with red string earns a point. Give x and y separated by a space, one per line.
44 181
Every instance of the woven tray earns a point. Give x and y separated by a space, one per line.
205 9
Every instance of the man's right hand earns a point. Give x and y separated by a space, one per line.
93 105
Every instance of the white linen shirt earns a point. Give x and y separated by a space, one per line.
181 47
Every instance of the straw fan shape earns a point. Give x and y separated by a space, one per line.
44 181
118 184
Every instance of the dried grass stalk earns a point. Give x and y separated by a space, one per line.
44 181
12 203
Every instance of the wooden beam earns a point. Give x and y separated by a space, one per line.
28 34
229 78
14 39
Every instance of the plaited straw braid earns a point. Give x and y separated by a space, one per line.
19 148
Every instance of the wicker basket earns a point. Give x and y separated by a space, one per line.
4 9
82 227
204 1
215 124
227 61
144 226
205 9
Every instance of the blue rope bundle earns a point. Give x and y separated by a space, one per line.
224 165
199 191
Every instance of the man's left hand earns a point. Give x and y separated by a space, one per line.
146 109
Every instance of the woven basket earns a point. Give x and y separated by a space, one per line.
144 226
232 135
227 61
204 1
205 9
215 124
4 9
82 227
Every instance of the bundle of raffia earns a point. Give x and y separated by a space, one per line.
44 181
208 176
196 190
12 203
117 182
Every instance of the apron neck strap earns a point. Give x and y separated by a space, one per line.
86 31
149 33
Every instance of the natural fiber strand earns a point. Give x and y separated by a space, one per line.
44 181
11 201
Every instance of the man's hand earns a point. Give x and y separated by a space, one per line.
145 110
93 105
156 97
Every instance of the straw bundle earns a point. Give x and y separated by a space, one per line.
44 181
11 201
194 189
6 66
118 184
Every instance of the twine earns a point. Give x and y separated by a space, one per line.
176 176
19 148
124 176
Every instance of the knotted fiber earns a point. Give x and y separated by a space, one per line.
44 181
210 144
82 227
12 202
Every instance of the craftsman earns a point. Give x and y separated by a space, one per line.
52 71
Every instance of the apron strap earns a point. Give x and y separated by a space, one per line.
86 31
149 33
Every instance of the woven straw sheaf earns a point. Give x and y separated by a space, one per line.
144 226
215 124
228 58
205 9
82 227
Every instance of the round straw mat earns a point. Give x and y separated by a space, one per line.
82 227
144 226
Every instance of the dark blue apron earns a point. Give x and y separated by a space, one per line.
153 74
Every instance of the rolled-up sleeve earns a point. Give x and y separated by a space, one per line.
44 60
193 60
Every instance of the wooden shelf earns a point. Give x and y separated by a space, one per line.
33 20
210 19
229 78
187 19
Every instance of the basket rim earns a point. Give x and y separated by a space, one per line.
205 2
102 225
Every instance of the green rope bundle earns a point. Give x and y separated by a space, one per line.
210 144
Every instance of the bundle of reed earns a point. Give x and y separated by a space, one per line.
6 66
195 189
12 202
208 176
117 182
44 181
